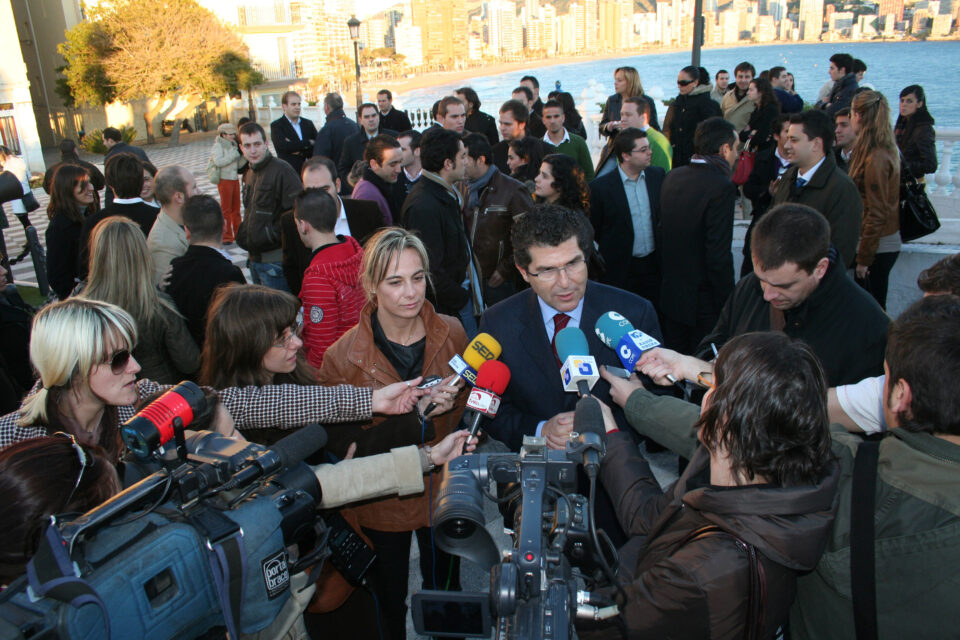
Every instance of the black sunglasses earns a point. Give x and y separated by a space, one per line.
119 361
684 83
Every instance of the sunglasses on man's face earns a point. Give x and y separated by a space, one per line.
684 83
119 361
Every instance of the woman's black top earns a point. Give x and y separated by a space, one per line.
407 360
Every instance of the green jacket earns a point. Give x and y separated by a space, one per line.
576 148
662 151
917 529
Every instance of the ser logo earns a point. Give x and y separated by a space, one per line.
276 575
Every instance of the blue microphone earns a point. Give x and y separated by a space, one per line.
579 369
616 332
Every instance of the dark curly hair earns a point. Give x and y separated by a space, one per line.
570 181
549 225
769 409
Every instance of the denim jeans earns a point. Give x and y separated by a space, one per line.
269 274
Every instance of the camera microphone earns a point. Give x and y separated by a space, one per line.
588 425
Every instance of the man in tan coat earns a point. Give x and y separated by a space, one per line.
735 106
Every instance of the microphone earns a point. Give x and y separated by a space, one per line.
579 370
616 332
588 437
492 380
482 348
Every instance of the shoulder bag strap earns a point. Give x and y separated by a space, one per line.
863 580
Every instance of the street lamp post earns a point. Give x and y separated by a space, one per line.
354 26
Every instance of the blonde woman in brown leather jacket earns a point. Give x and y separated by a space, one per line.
399 334
875 169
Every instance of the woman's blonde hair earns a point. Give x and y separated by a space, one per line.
381 251
68 339
632 76
121 271
875 130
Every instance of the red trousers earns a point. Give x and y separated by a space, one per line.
230 203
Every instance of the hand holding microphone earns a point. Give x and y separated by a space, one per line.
619 334
442 396
484 401
482 348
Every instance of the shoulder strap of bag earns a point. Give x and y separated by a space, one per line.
863 580
51 574
757 597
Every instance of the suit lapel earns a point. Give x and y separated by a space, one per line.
533 337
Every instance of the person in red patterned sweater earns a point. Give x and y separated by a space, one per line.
331 293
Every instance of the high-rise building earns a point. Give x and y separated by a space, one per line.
443 26
811 19
615 25
891 6
409 43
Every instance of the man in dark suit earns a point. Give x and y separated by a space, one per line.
204 267
336 130
768 166
551 247
124 178
358 218
390 117
625 211
355 145
293 137
696 232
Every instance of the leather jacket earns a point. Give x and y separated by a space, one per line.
355 359
501 201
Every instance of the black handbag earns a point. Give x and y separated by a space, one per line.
918 218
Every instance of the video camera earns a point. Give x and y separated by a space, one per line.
535 586
211 539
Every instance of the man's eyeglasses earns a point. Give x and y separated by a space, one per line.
550 274
645 149
684 83
293 331
118 361
85 461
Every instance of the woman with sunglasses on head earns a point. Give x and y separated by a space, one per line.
399 336
692 106
121 272
626 84
88 384
875 169
42 477
71 200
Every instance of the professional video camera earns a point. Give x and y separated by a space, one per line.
535 586
211 539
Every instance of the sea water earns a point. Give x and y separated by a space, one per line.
891 66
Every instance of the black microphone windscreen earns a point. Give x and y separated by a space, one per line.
588 416
300 444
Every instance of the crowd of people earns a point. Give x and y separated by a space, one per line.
377 252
